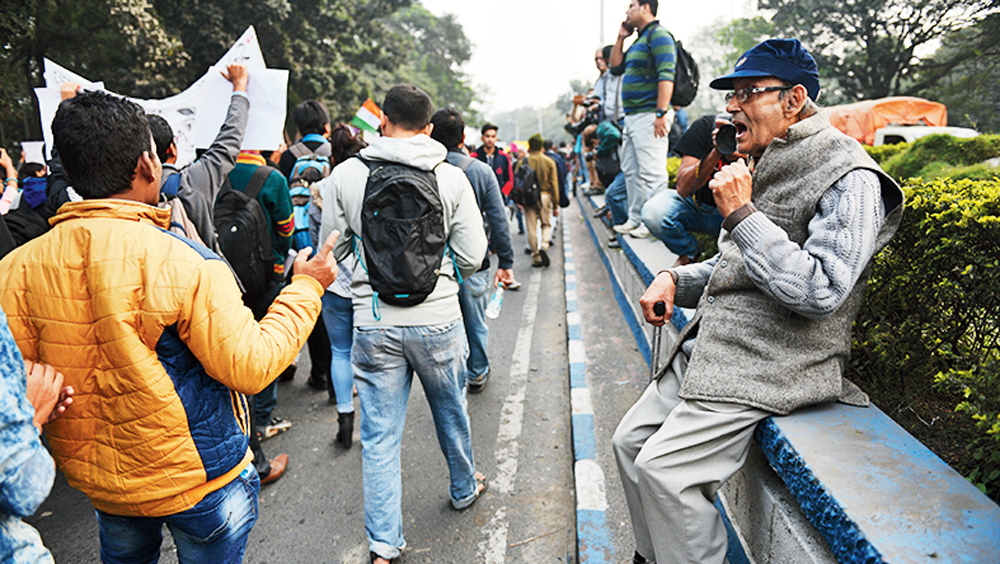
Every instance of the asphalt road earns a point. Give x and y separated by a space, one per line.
521 438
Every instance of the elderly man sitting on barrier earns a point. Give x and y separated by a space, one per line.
774 308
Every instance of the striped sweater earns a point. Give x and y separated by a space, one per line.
641 80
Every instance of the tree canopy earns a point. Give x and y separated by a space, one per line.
875 48
338 51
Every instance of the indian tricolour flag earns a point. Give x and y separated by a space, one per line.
368 117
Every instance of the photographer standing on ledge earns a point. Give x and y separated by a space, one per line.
647 87
775 306
672 216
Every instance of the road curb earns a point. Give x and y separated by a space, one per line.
594 544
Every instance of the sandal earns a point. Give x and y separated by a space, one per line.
482 484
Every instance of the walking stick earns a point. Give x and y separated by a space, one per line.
659 308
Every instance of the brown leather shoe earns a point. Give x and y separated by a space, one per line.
278 465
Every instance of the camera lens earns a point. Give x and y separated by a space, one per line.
725 139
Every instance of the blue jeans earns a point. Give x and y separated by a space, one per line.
338 316
672 219
214 531
473 296
265 401
616 198
384 361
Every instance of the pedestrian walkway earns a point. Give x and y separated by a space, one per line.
607 374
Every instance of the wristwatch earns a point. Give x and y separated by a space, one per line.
660 113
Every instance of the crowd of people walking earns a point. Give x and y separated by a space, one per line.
149 310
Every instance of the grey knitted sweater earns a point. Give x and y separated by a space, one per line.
775 306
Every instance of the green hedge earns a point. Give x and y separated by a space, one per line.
940 156
931 318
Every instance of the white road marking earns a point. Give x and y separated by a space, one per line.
493 549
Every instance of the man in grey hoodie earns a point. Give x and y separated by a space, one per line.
391 343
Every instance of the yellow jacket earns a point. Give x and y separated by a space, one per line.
150 330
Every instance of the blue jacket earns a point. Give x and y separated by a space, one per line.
26 469
490 200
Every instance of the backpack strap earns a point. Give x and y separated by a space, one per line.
465 163
299 149
257 181
171 186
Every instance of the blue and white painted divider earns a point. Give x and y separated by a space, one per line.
594 543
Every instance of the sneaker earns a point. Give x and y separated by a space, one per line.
613 243
515 285
275 426
278 465
639 232
625 227
600 212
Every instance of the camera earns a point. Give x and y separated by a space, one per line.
592 117
725 137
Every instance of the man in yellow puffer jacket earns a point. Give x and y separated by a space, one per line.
150 330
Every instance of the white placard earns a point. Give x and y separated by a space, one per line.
197 114
33 151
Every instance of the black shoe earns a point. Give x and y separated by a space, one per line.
638 558
316 382
527 251
545 258
373 556
289 374
600 212
345 433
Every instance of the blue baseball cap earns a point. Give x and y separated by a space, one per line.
786 59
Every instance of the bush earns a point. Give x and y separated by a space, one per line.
673 165
920 157
883 153
931 317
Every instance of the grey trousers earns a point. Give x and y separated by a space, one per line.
673 456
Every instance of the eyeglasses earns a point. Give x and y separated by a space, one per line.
743 94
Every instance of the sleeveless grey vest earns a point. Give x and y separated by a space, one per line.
750 349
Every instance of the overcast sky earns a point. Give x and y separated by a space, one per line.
526 52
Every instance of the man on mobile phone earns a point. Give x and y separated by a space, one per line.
647 86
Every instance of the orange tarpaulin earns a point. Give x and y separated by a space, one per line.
861 119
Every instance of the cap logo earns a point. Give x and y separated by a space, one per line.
740 62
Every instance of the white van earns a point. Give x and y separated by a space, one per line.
892 134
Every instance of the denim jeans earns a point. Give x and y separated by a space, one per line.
338 315
616 199
473 296
644 162
384 361
214 531
672 219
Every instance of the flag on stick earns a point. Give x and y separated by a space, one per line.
368 117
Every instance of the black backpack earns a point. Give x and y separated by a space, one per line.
402 232
526 191
24 224
244 234
685 72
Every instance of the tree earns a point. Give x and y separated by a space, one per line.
969 62
338 51
121 41
869 48
438 48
